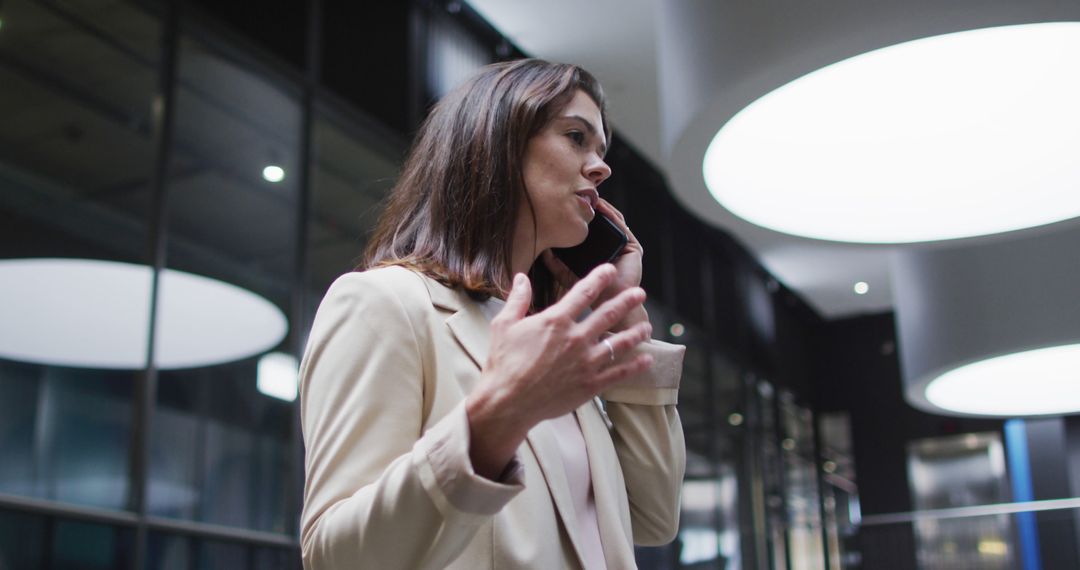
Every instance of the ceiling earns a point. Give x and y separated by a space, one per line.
675 72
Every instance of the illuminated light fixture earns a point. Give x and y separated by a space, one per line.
1035 382
278 376
677 330
993 547
96 314
862 288
991 329
698 544
959 135
273 173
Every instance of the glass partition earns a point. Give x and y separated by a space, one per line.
840 492
712 527
351 176
22 539
221 434
960 471
76 162
801 496
973 538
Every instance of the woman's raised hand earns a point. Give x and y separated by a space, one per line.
546 365
627 267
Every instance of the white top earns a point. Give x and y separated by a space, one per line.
575 460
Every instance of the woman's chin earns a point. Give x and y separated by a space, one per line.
569 235
575 238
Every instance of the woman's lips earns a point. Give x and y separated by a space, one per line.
589 196
584 200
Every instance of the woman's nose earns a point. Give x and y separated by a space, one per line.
597 171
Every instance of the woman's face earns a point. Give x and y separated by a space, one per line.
564 165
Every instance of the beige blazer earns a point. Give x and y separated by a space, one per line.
391 357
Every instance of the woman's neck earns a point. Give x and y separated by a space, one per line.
524 250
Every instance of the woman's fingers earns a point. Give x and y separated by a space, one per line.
617 217
585 292
611 212
517 302
621 344
612 312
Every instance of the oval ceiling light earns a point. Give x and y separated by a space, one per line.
273 173
95 314
953 136
991 328
1031 383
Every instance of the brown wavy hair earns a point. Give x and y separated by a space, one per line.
452 212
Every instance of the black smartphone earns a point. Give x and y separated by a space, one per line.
604 242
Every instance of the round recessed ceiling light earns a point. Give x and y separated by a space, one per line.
1031 383
278 375
273 173
953 136
96 314
862 288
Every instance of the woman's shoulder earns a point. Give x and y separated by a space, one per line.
390 279
378 294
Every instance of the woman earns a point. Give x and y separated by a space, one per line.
448 400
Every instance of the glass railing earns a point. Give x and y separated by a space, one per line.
1037 535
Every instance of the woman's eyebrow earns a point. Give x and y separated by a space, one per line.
592 130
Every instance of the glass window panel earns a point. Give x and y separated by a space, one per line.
694 406
453 54
351 176
22 540
85 437
280 27
220 441
215 555
986 542
709 528
801 496
64 433
276 559
78 126
220 449
87 546
169 552
840 494
173 552
959 471
76 158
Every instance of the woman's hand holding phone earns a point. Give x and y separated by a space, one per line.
627 267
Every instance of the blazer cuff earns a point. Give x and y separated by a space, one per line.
447 474
657 386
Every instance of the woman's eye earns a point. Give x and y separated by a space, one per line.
577 136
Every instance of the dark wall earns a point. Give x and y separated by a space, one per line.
711 280
859 372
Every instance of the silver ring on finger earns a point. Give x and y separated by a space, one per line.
610 349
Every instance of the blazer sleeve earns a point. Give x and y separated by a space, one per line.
379 490
648 438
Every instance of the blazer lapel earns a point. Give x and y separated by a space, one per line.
613 535
471 329
467 324
546 451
